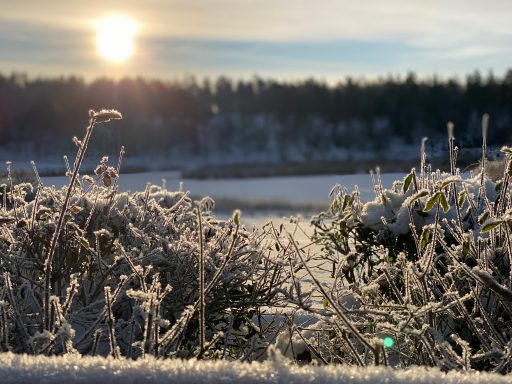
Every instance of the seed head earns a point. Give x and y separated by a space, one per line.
106 115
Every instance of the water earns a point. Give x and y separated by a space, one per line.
288 191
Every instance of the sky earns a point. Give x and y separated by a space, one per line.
283 39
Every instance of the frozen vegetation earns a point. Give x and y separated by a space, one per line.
419 276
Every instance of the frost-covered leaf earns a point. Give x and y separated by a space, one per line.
462 198
432 201
346 202
483 217
418 195
449 180
465 248
85 243
236 217
425 237
490 225
444 202
407 182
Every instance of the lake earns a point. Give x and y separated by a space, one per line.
286 190
260 199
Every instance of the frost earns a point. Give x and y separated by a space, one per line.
75 369
430 265
418 276
135 246
373 212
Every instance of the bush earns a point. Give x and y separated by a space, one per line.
420 276
87 269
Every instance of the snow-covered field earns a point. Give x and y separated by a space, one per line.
75 369
291 189
294 191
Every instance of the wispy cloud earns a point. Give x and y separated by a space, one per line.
329 37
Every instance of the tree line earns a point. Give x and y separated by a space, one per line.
193 117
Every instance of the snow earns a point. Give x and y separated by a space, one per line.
293 189
75 369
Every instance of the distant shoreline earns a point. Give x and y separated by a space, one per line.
241 171
200 169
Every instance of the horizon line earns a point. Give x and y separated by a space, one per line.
419 77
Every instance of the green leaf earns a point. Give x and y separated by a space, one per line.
407 182
325 303
483 217
431 202
85 243
465 248
236 217
490 225
425 237
448 181
346 202
334 206
343 226
444 202
419 195
462 198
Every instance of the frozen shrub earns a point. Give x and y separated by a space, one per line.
87 269
427 268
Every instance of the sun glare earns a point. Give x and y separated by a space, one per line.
115 38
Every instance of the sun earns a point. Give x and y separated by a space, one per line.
115 38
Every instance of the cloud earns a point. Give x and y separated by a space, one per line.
476 51
329 37
278 20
